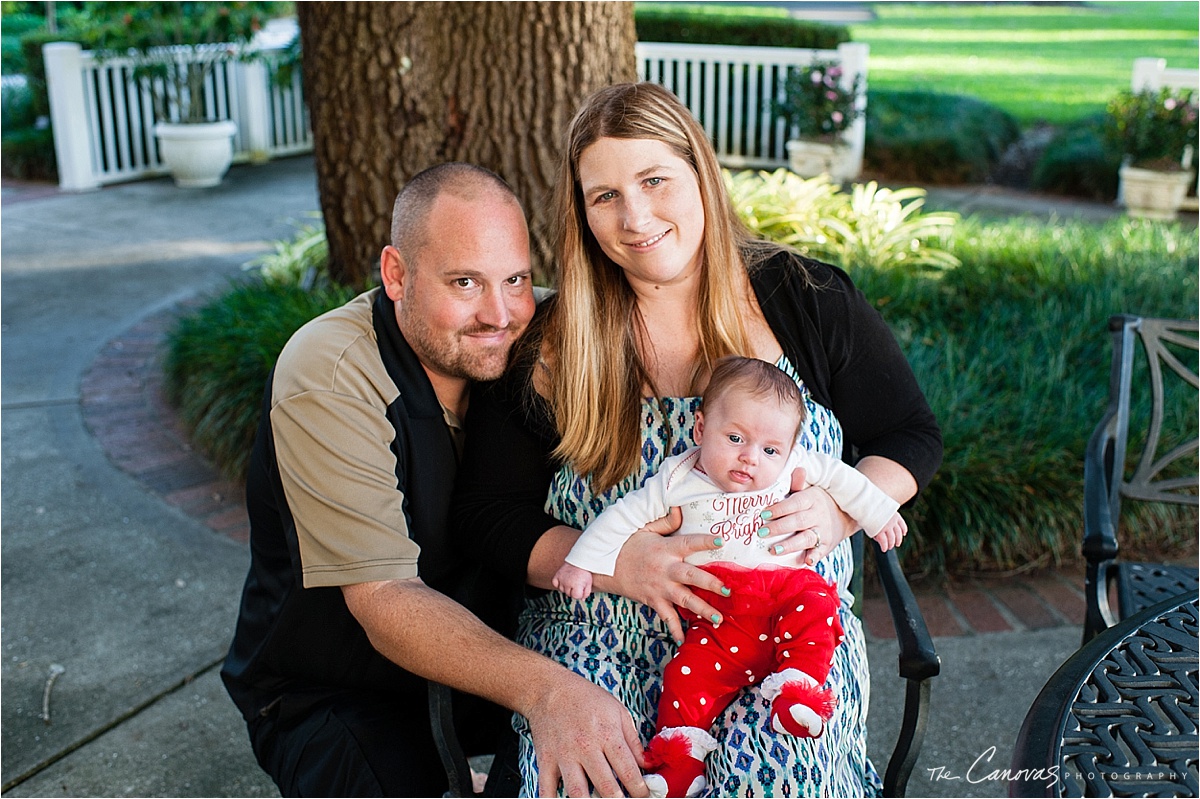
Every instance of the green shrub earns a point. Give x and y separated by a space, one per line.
870 227
12 57
1153 129
1078 163
926 137
219 357
694 25
27 143
302 260
1012 351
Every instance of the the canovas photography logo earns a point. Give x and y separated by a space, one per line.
982 771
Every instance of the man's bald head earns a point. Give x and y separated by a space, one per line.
416 199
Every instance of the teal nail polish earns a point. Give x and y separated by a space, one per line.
725 590
763 532
718 542
716 618
678 642
766 515
778 549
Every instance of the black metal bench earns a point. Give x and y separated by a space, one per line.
1169 348
918 665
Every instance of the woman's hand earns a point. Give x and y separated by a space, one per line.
815 521
651 570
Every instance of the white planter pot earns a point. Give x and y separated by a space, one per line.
1153 195
198 155
809 159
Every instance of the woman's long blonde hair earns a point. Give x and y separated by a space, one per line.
596 371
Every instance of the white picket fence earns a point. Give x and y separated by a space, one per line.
731 90
103 118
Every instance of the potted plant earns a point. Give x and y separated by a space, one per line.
175 47
1155 133
818 108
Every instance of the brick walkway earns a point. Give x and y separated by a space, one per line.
124 407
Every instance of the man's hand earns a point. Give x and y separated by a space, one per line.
582 734
573 581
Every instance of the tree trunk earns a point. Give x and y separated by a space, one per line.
393 88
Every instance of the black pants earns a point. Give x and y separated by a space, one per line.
354 744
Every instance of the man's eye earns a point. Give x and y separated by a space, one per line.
654 181
464 282
517 280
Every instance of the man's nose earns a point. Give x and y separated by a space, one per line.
493 309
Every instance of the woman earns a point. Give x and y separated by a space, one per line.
657 280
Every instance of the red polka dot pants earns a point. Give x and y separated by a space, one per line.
774 619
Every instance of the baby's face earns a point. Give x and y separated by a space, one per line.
745 441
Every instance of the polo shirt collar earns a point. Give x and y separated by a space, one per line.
402 363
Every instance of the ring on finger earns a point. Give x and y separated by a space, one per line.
818 535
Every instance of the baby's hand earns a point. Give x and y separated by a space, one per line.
892 533
573 581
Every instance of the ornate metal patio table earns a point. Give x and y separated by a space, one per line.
1119 718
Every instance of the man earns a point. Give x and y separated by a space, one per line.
349 486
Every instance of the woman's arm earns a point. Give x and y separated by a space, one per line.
851 362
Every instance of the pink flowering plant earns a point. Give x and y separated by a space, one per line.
1153 129
816 106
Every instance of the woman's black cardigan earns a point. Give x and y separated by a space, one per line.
838 343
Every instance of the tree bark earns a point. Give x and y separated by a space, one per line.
396 87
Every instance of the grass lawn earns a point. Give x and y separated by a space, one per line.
1038 61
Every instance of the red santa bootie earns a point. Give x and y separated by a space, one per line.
676 758
799 705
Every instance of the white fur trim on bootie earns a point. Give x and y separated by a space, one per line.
657 786
772 684
702 743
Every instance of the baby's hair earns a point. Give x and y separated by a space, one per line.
756 377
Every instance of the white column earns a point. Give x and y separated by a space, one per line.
255 109
68 116
1147 73
853 56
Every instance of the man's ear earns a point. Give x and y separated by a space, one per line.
392 272
698 428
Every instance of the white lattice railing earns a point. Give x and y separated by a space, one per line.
730 91
104 119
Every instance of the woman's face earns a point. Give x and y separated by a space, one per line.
644 208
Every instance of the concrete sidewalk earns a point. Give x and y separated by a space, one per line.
124 553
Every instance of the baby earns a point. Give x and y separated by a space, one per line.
779 618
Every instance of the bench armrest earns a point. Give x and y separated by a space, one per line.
919 663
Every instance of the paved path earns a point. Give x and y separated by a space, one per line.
131 597
124 551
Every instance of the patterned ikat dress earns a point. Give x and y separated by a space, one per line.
622 645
